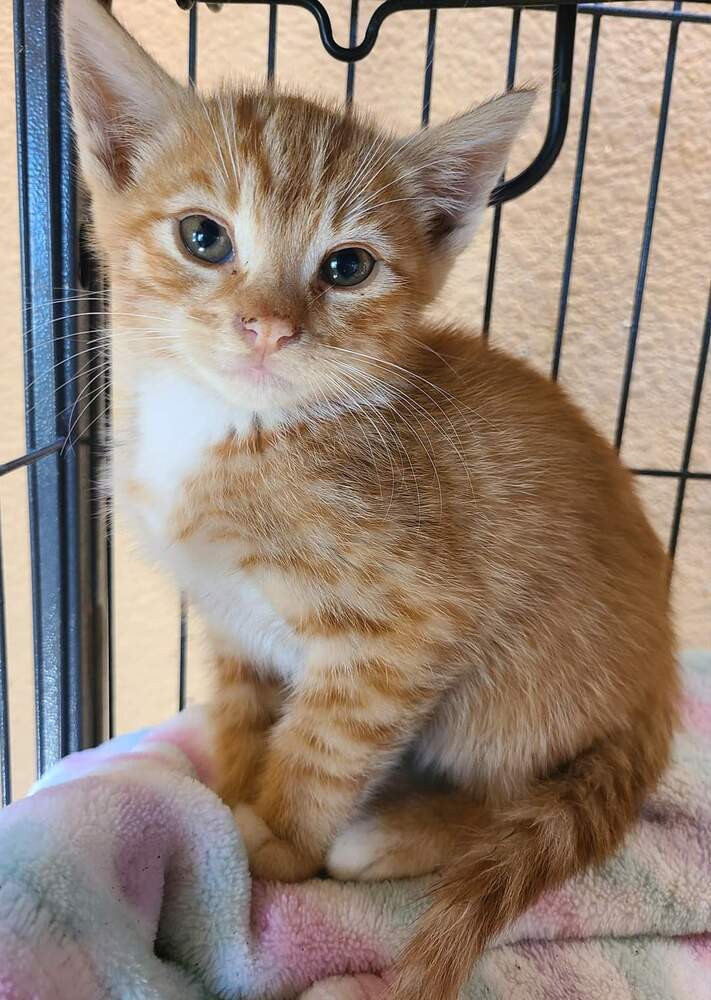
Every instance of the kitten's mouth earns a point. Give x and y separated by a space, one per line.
257 374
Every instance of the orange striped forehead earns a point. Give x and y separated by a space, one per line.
294 179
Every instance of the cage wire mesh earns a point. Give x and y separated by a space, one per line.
67 370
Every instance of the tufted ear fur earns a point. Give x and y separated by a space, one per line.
455 166
120 97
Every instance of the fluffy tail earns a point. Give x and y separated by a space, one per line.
567 822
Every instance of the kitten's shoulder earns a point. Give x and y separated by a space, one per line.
469 356
498 384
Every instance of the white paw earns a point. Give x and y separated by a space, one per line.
359 987
359 851
255 832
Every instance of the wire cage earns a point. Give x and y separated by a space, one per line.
70 537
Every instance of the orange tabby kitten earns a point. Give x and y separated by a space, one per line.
406 544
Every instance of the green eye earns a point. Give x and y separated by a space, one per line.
205 239
347 267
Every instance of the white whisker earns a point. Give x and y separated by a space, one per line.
74 420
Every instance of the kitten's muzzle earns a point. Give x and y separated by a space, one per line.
266 335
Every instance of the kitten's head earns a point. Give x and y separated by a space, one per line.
262 243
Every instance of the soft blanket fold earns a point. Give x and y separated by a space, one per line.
122 876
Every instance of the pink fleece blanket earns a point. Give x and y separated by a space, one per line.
123 876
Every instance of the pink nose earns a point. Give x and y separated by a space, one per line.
266 334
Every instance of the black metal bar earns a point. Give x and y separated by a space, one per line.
575 199
192 79
32 456
102 581
672 474
610 7
33 47
98 540
105 525
192 46
59 502
496 222
647 232
561 82
272 41
429 67
110 622
183 667
352 36
691 430
5 779
645 13
354 53
81 708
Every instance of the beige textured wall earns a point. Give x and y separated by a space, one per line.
470 65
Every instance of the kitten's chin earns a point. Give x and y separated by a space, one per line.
251 387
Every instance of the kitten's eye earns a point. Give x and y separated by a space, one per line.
206 239
347 267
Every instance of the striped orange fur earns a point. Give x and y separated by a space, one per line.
416 558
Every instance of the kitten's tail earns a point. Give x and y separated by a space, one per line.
573 819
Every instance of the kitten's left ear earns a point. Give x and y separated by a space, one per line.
120 96
454 167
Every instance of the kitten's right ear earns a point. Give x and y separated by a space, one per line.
120 96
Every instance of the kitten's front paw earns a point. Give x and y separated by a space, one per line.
269 857
370 851
358 987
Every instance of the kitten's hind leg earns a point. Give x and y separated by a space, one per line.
406 837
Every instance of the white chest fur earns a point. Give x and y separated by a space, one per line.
176 422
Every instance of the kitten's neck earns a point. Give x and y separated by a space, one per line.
170 412
186 416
